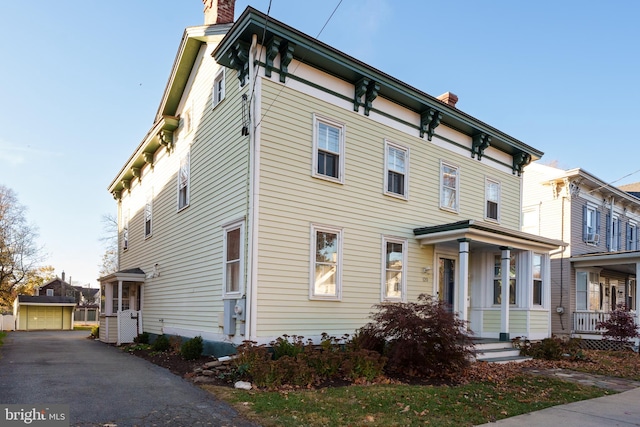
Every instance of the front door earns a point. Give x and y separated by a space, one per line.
446 280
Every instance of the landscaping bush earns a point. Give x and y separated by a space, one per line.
423 338
95 331
553 348
620 327
283 347
192 349
161 343
142 338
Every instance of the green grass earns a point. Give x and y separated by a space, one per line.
406 405
82 328
2 335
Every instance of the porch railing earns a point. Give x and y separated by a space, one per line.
586 321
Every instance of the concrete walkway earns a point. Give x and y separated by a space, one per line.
622 409
101 384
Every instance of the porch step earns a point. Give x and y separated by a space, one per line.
494 351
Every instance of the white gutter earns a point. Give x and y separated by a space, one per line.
254 173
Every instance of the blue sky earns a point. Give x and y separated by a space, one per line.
81 80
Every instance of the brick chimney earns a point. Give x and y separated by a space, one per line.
449 98
218 11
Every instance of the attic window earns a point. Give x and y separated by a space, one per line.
49 292
218 88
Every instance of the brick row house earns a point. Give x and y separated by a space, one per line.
599 268
286 187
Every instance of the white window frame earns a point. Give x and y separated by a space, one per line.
632 243
516 294
539 280
337 294
49 292
184 181
388 146
456 189
148 217
402 284
317 120
226 262
615 233
218 91
592 225
590 295
125 232
487 185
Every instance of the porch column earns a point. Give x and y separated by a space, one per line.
119 296
463 279
505 267
637 300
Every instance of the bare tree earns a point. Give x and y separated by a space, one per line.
109 239
19 253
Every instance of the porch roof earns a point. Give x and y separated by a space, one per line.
129 275
624 262
484 234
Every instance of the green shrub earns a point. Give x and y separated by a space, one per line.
142 338
95 331
192 349
283 347
367 364
161 343
423 338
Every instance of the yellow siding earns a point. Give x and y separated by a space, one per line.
291 200
491 321
539 321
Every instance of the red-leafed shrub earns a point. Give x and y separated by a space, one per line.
423 338
620 327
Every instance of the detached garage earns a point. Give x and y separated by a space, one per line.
43 312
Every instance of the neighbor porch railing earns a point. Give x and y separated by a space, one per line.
586 321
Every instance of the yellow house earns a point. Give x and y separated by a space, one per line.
286 187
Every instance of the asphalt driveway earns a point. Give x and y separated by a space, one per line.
101 384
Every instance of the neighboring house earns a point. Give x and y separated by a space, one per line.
58 287
600 266
87 299
286 187
43 312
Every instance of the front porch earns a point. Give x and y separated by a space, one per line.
472 261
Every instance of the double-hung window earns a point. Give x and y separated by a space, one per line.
449 184
396 170
588 291
183 181
497 280
125 231
590 225
328 149
218 88
326 257
492 197
395 266
148 217
613 233
537 279
233 259
632 236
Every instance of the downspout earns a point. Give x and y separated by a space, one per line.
254 159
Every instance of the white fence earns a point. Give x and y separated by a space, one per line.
586 321
7 322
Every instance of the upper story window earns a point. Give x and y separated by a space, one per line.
613 233
449 187
218 88
632 236
125 231
183 181
590 224
395 265
233 259
497 279
148 217
537 279
328 149
326 254
492 197
396 169
49 292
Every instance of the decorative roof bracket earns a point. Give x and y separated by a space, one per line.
117 194
481 142
148 158
136 173
520 160
126 184
239 60
273 48
286 55
429 121
165 137
367 88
